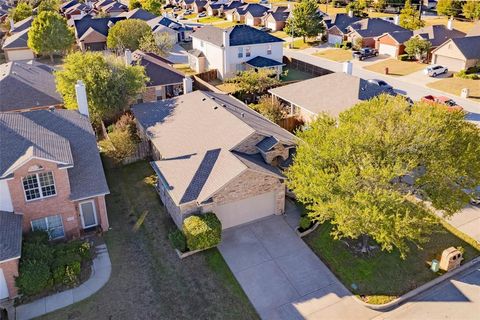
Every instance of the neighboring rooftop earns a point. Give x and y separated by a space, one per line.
332 93
401 36
238 35
22 25
469 46
341 21
374 27
10 235
138 13
438 34
100 25
17 40
196 133
159 72
262 62
26 85
63 136
255 9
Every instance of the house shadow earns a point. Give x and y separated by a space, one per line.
472 116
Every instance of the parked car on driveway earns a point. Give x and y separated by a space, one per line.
265 29
435 70
446 101
364 53
202 14
381 84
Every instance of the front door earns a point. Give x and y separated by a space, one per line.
88 214
3 286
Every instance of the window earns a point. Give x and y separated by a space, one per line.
39 185
269 49
248 52
53 225
240 52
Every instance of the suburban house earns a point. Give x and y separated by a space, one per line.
165 81
139 14
177 31
276 19
332 93
15 45
51 179
250 14
438 34
458 54
219 7
27 85
337 27
91 33
199 6
369 29
114 9
77 11
234 49
393 43
212 153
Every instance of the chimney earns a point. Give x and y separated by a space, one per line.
225 39
347 67
350 13
450 24
187 85
396 19
128 57
81 98
12 25
110 24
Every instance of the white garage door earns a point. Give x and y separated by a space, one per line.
272 25
235 213
3 286
16 55
334 39
451 64
387 49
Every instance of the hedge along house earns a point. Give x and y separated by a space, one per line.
51 179
214 154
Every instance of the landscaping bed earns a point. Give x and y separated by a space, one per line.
455 86
148 280
396 67
382 277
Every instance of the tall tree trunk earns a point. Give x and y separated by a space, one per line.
364 243
51 56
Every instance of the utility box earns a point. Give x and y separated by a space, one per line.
465 93
451 259
435 265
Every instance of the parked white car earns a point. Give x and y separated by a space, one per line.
435 70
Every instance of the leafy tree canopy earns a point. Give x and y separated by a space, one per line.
126 34
471 10
49 33
255 82
417 47
134 4
49 5
152 6
110 84
22 11
449 7
409 17
366 171
271 108
158 43
305 20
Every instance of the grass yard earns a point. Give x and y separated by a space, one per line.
279 34
385 276
339 55
294 75
455 85
185 68
464 26
148 279
396 67
225 87
210 19
226 24
300 44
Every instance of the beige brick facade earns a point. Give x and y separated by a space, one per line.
149 95
10 272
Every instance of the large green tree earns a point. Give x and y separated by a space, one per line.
110 84
22 11
368 172
160 43
409 17
305 20
152 6
253 82
471 10
126 34
417 47
49 33
449 7
48 5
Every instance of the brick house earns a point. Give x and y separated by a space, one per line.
393 43
213 153
51 179
367 30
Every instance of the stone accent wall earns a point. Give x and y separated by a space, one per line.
10 271
178 213
58 204
149 95
249 184
249 144
278 151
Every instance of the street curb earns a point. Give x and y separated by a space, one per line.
407 296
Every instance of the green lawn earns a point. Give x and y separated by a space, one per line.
210 19
455 86
396 67
148 279
339 55
279 34
226 24
385 276
300 44
295 75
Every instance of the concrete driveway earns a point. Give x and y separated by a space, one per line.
282 277
467 221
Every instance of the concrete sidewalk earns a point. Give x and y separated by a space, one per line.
101 270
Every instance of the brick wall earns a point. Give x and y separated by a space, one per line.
149 95
10 271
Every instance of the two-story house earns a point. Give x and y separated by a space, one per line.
235 49
51 179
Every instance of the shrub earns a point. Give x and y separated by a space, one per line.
467 74
38 251
202 231
178 241
305 222
35 277
36 237
404 57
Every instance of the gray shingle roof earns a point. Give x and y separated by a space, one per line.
10 235
159 72
262 62
469 46
17 78
374 27
59 135
22 24
401 36
238 35
266 144
138 13
255 9
257 163
438 34
342 21
17 40
98 24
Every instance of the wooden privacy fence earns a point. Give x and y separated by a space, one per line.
207 76
142 152
290 123
200 84
305 66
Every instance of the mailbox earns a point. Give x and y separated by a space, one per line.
451 259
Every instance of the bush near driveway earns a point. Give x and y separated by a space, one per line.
202 231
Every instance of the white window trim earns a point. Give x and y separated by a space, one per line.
40 187
46 222
94 211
